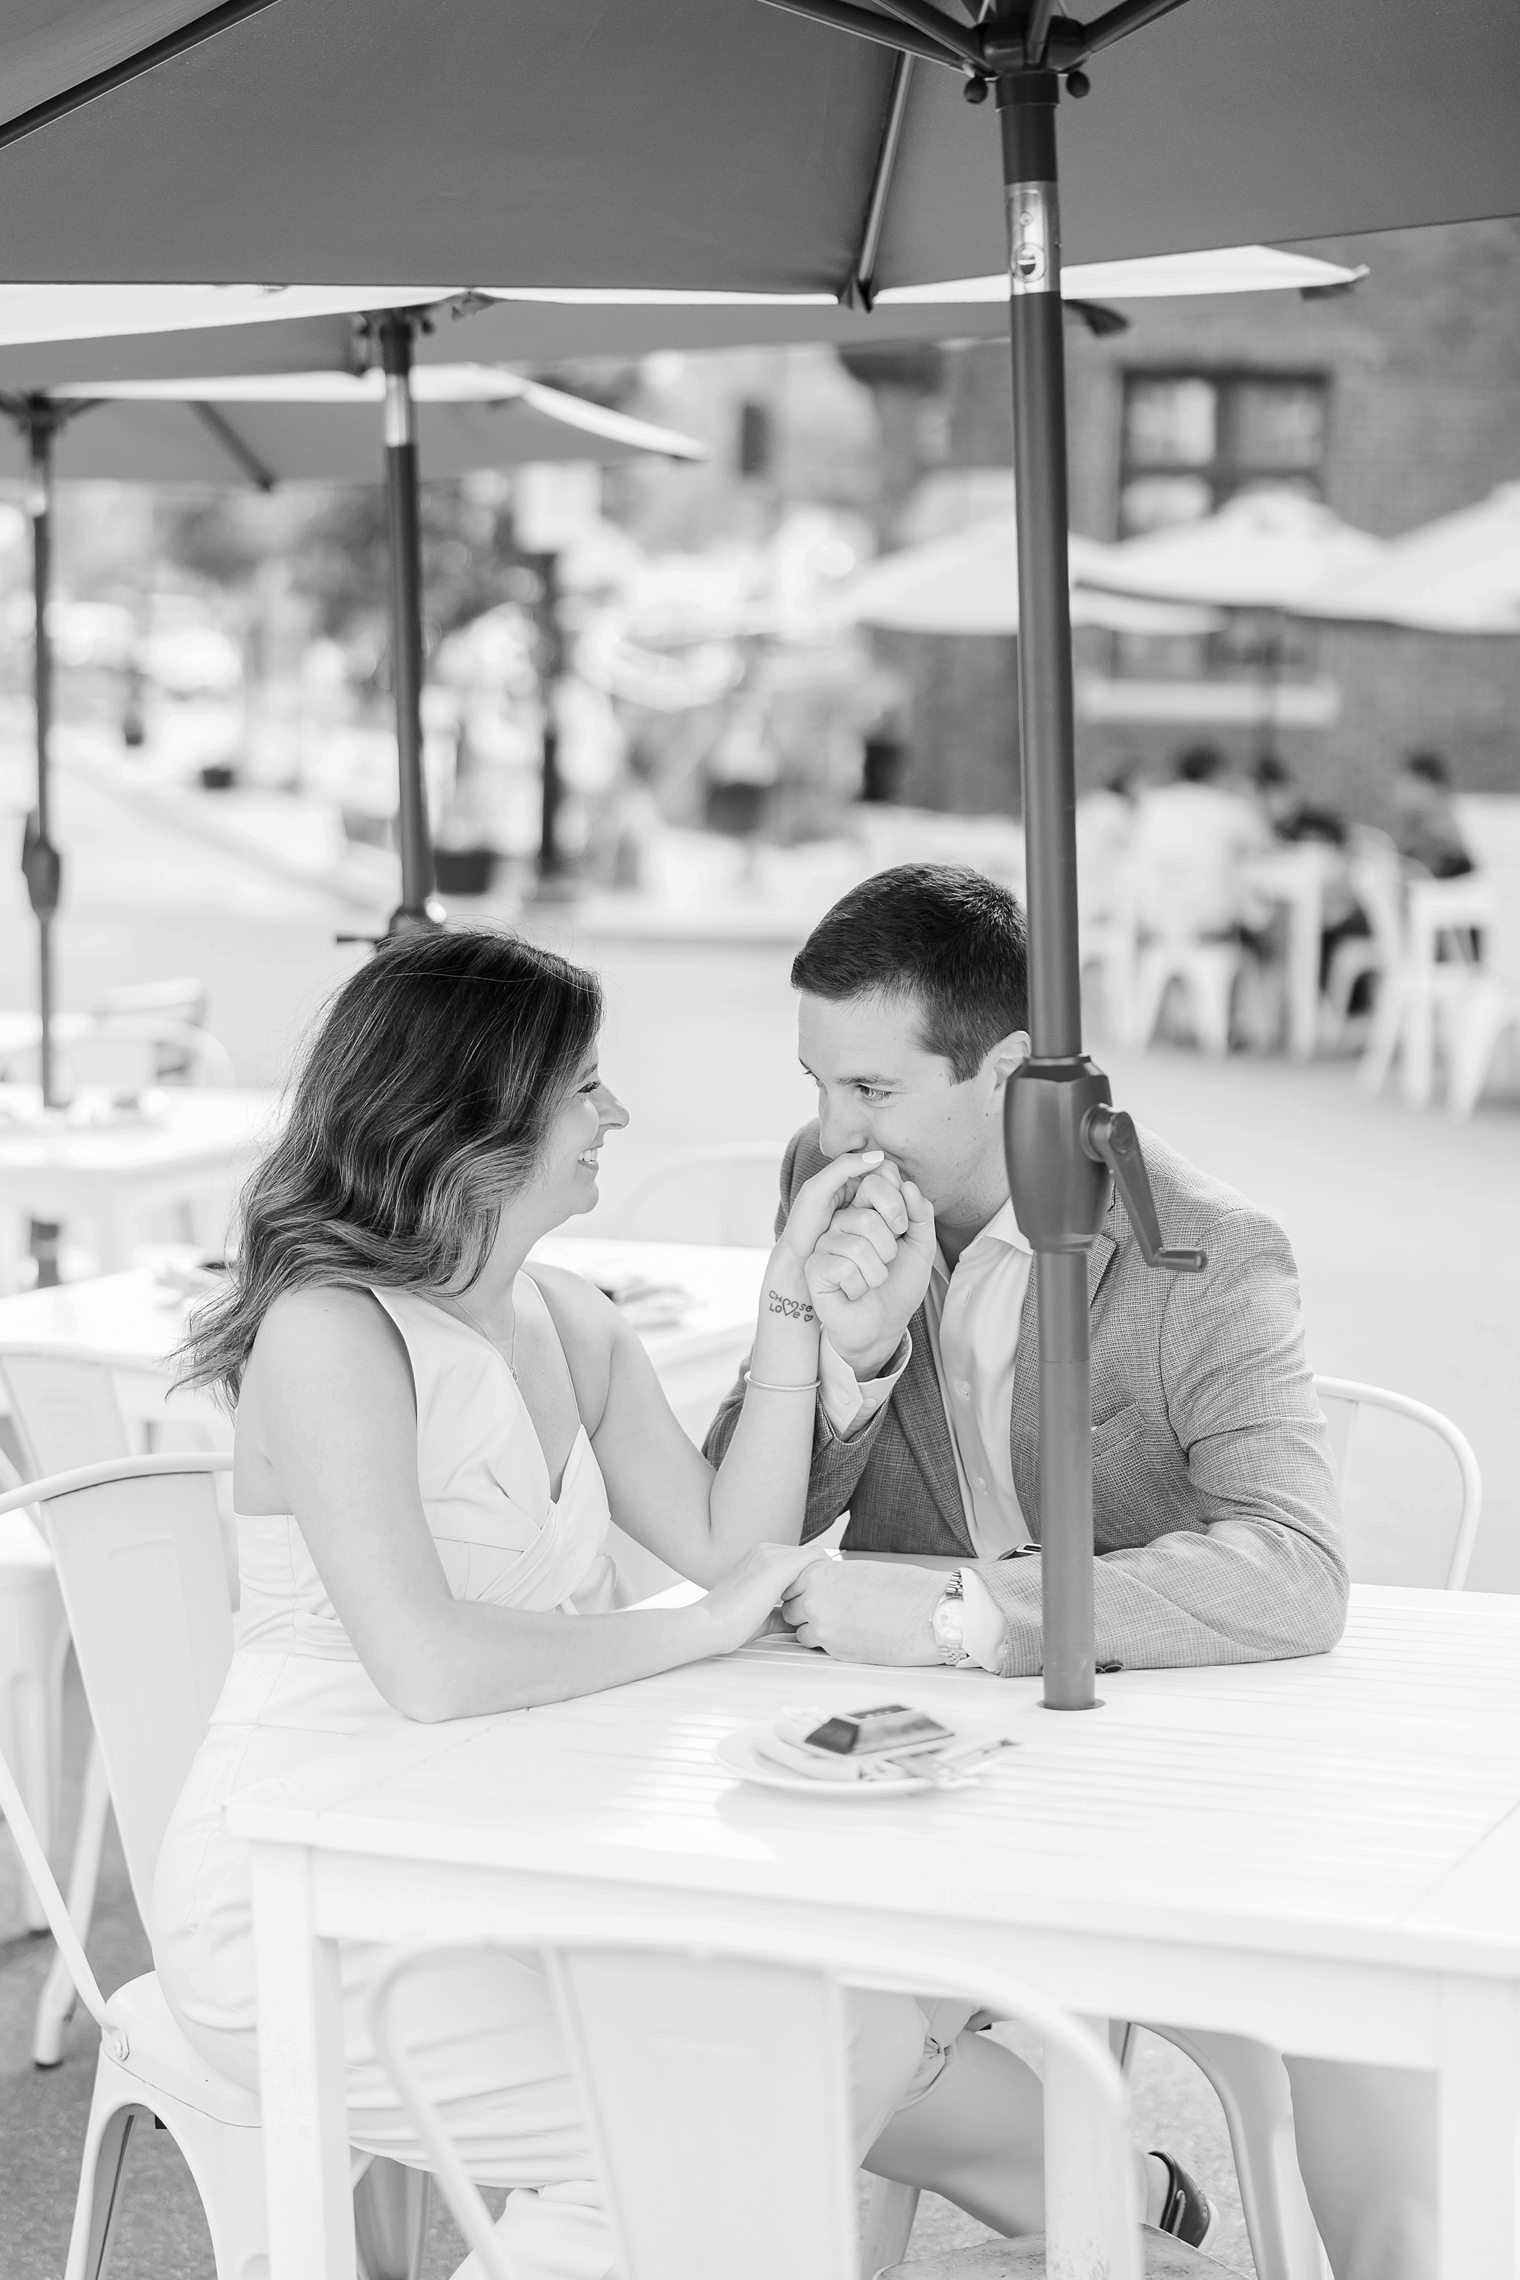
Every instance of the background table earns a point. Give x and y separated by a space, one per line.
196 1146
697 1324
1322 1853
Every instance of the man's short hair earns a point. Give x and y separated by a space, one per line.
949 938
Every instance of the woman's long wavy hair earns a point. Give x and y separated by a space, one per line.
420 1106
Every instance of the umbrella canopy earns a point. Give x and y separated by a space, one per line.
69 312
325 427
112 331
1264 550
706 144
969 583
1460 574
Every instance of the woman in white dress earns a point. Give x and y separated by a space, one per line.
429 1442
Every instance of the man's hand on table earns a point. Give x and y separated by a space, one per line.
869 1270
866 1610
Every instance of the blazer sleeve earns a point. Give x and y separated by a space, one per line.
1265 1575
837 1465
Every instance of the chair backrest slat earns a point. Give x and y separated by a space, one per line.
65 1407
713 2065
144 1580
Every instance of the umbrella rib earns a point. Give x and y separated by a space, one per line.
240 453
131 67
867 24
934 26
860 291
1129 16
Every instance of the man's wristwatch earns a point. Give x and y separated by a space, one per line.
949 1620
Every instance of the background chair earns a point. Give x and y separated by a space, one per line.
1343 1401
1489 1006
1374 872
138 1550
724 1194
712 2065
65 1414
34 1645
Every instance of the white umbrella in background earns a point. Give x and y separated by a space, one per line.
1460 574
269 429
1258 556
1264 550
968 583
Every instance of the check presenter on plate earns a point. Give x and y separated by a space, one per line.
1216 1516
431 1441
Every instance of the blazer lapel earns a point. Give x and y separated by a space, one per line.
925 1429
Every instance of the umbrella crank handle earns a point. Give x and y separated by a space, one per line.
1110 1138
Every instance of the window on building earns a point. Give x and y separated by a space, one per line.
1189 441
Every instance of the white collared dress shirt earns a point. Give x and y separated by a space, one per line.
973 1313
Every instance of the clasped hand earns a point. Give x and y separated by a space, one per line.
868 1270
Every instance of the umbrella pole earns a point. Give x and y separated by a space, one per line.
1058 1191
418 909
40 860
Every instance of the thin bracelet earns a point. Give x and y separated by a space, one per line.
765 1385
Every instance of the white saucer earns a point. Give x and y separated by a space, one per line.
738 1753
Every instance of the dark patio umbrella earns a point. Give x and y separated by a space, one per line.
682 144
272 429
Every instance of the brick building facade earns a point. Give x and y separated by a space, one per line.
1396 403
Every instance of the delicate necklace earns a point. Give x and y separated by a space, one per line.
476 1324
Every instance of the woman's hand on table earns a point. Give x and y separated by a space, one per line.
740 1607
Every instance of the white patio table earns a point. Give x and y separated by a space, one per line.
1323 1853
191 1141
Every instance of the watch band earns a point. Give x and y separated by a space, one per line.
949 1620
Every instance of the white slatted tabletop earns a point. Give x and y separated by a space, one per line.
1323 1853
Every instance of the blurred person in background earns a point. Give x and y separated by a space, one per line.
1194 842
1105 832
1426 831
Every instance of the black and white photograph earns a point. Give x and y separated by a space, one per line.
759 1140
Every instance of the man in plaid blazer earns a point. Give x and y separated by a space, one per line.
1216 1517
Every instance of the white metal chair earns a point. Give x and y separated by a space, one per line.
34 1645
1343 1400
712 2063
1248 2077
138 1550
63 1405
1489 1006
722 1194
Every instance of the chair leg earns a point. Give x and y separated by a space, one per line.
390 2220
95 2211
888 2227
1475 1043
1153 979
33 1644
1386 1030
56 2004
1252 2085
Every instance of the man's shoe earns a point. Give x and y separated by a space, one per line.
1187 2212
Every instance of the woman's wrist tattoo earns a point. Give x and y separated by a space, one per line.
794 1309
